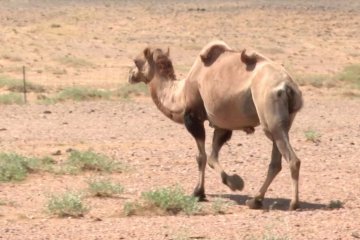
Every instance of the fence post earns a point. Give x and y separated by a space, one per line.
24 80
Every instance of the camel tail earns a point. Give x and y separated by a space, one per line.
295 100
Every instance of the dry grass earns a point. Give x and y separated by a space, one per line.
350 75
168 201
68 204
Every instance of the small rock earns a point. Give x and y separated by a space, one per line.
2 129
57 153
47 112
55 25
69 150
97 219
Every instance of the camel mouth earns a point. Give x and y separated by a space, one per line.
132 79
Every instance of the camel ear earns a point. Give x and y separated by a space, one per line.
147 53
168 52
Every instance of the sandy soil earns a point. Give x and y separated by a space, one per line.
307 37
161 153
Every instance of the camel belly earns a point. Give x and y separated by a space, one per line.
232 114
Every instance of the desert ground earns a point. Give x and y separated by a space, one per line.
92 44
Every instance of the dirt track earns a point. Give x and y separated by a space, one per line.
162 153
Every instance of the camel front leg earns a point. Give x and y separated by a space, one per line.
199 190
221 136
273 170
197 130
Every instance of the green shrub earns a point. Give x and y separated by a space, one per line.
351 75
11 98
14 167
104 188
312 136
335 204
17 85
315 80
220 206
88 160
81 94
127 90
130 208
172 200
68 204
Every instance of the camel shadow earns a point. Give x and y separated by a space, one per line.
272 203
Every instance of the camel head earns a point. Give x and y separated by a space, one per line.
152 63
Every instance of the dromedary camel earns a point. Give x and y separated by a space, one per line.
233 91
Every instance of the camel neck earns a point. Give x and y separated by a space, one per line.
168 96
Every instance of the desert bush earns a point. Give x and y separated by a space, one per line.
220 206
312 135
127 90
81 94
11 98
68 204
335 204
14 167
130 208
91 161
171 200
315 80
17 85
351 75
104 188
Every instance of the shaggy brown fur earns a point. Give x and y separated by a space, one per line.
165 67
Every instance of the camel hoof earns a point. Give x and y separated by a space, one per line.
293 206
234 182
200 195
254 203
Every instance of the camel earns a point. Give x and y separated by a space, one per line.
232 90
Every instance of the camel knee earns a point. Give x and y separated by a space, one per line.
295 164
201 161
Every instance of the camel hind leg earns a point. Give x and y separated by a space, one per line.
276 119
273 169
282 141
221 136
281 148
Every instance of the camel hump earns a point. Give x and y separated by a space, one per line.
251 59
212 51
